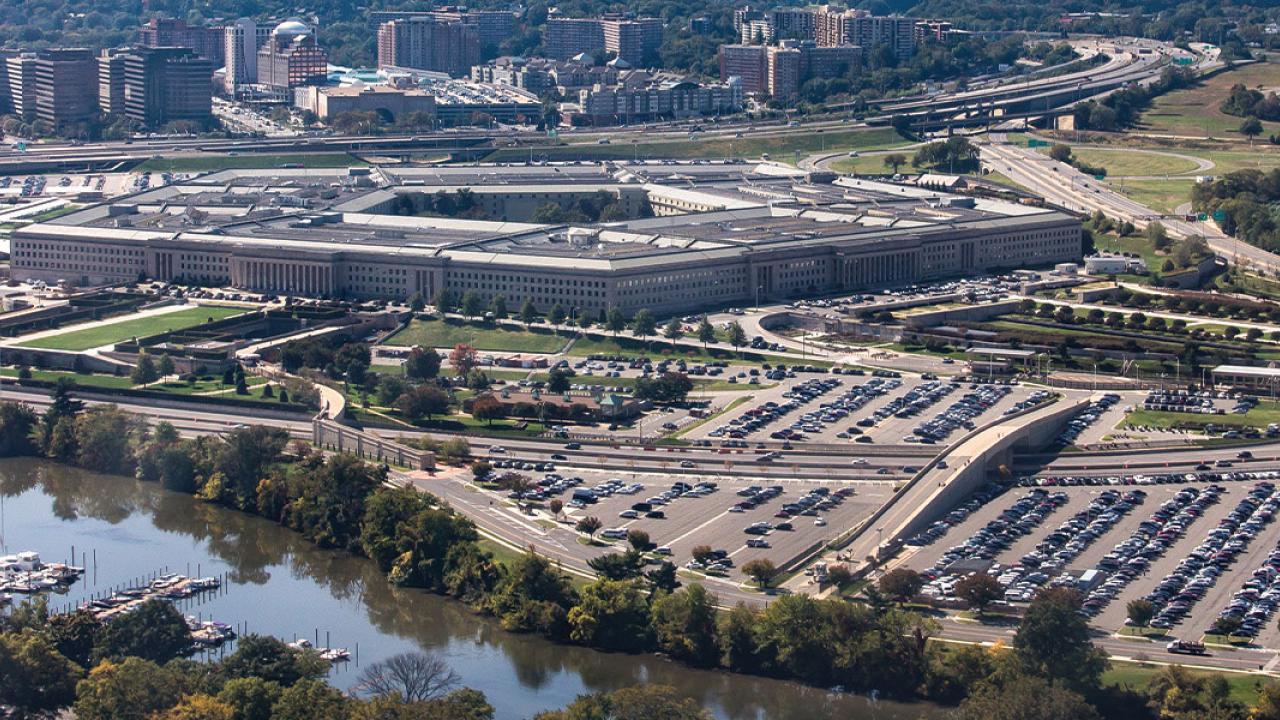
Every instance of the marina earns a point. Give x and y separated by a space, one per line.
274 582
25 574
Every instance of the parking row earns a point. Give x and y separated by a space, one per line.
1086 417
760 416
1132 557
1197 572
1020 518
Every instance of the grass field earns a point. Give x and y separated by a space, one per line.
77 340
1132 244
779 147
868 165
1134 162
441 334
208 163
1194 111
1244 688
1260 417
1163 196
85 379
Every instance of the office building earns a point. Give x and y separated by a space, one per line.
166 84
205 40
425 43
21 70
781 70
66 86
111 81
698 237
292 58
242 40
388 101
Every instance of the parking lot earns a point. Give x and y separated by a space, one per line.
1190 547
867 409
716 512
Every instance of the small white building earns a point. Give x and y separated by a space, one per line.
1107 264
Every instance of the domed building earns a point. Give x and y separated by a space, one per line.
292 57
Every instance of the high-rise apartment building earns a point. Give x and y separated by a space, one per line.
242 40
835 26
165 84
66 85
633 40
746 62
425 43
492 26
783 64
292 58
205 40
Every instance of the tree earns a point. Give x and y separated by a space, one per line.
1251 128
444 301
132 688
528 313
701 553
615 322
737 336
673 330
670 387
416 302
1053 642
198 707
16 424
684 624
144 373
1062 153
762 570
556 316
901 584
270 660
893 161
642 702
410 676
422 402
422 364
638 540
498 306
463 358
155 631
617 566
706 332
472 304
250 698
558 381
35 679
979 590
643 324
310 699
555 506
488 408
613 615
589 525
1024 698
1157 235
165 366
1140 611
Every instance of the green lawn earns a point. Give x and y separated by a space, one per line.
208 163
781 146
442 334
1194 111
1133 162
1133 245
85 379
1260 417
209 384
77 340
869 165
1163 196
1244 688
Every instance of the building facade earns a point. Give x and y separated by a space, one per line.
205 40
167 84
292 57
425 43
66 86
111 80
242 40
634 40
655 98
492 26
22 84
748 63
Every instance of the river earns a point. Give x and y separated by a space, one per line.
278 584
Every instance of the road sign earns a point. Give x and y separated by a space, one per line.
1219 215
1099 177
1036 143
1202 217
